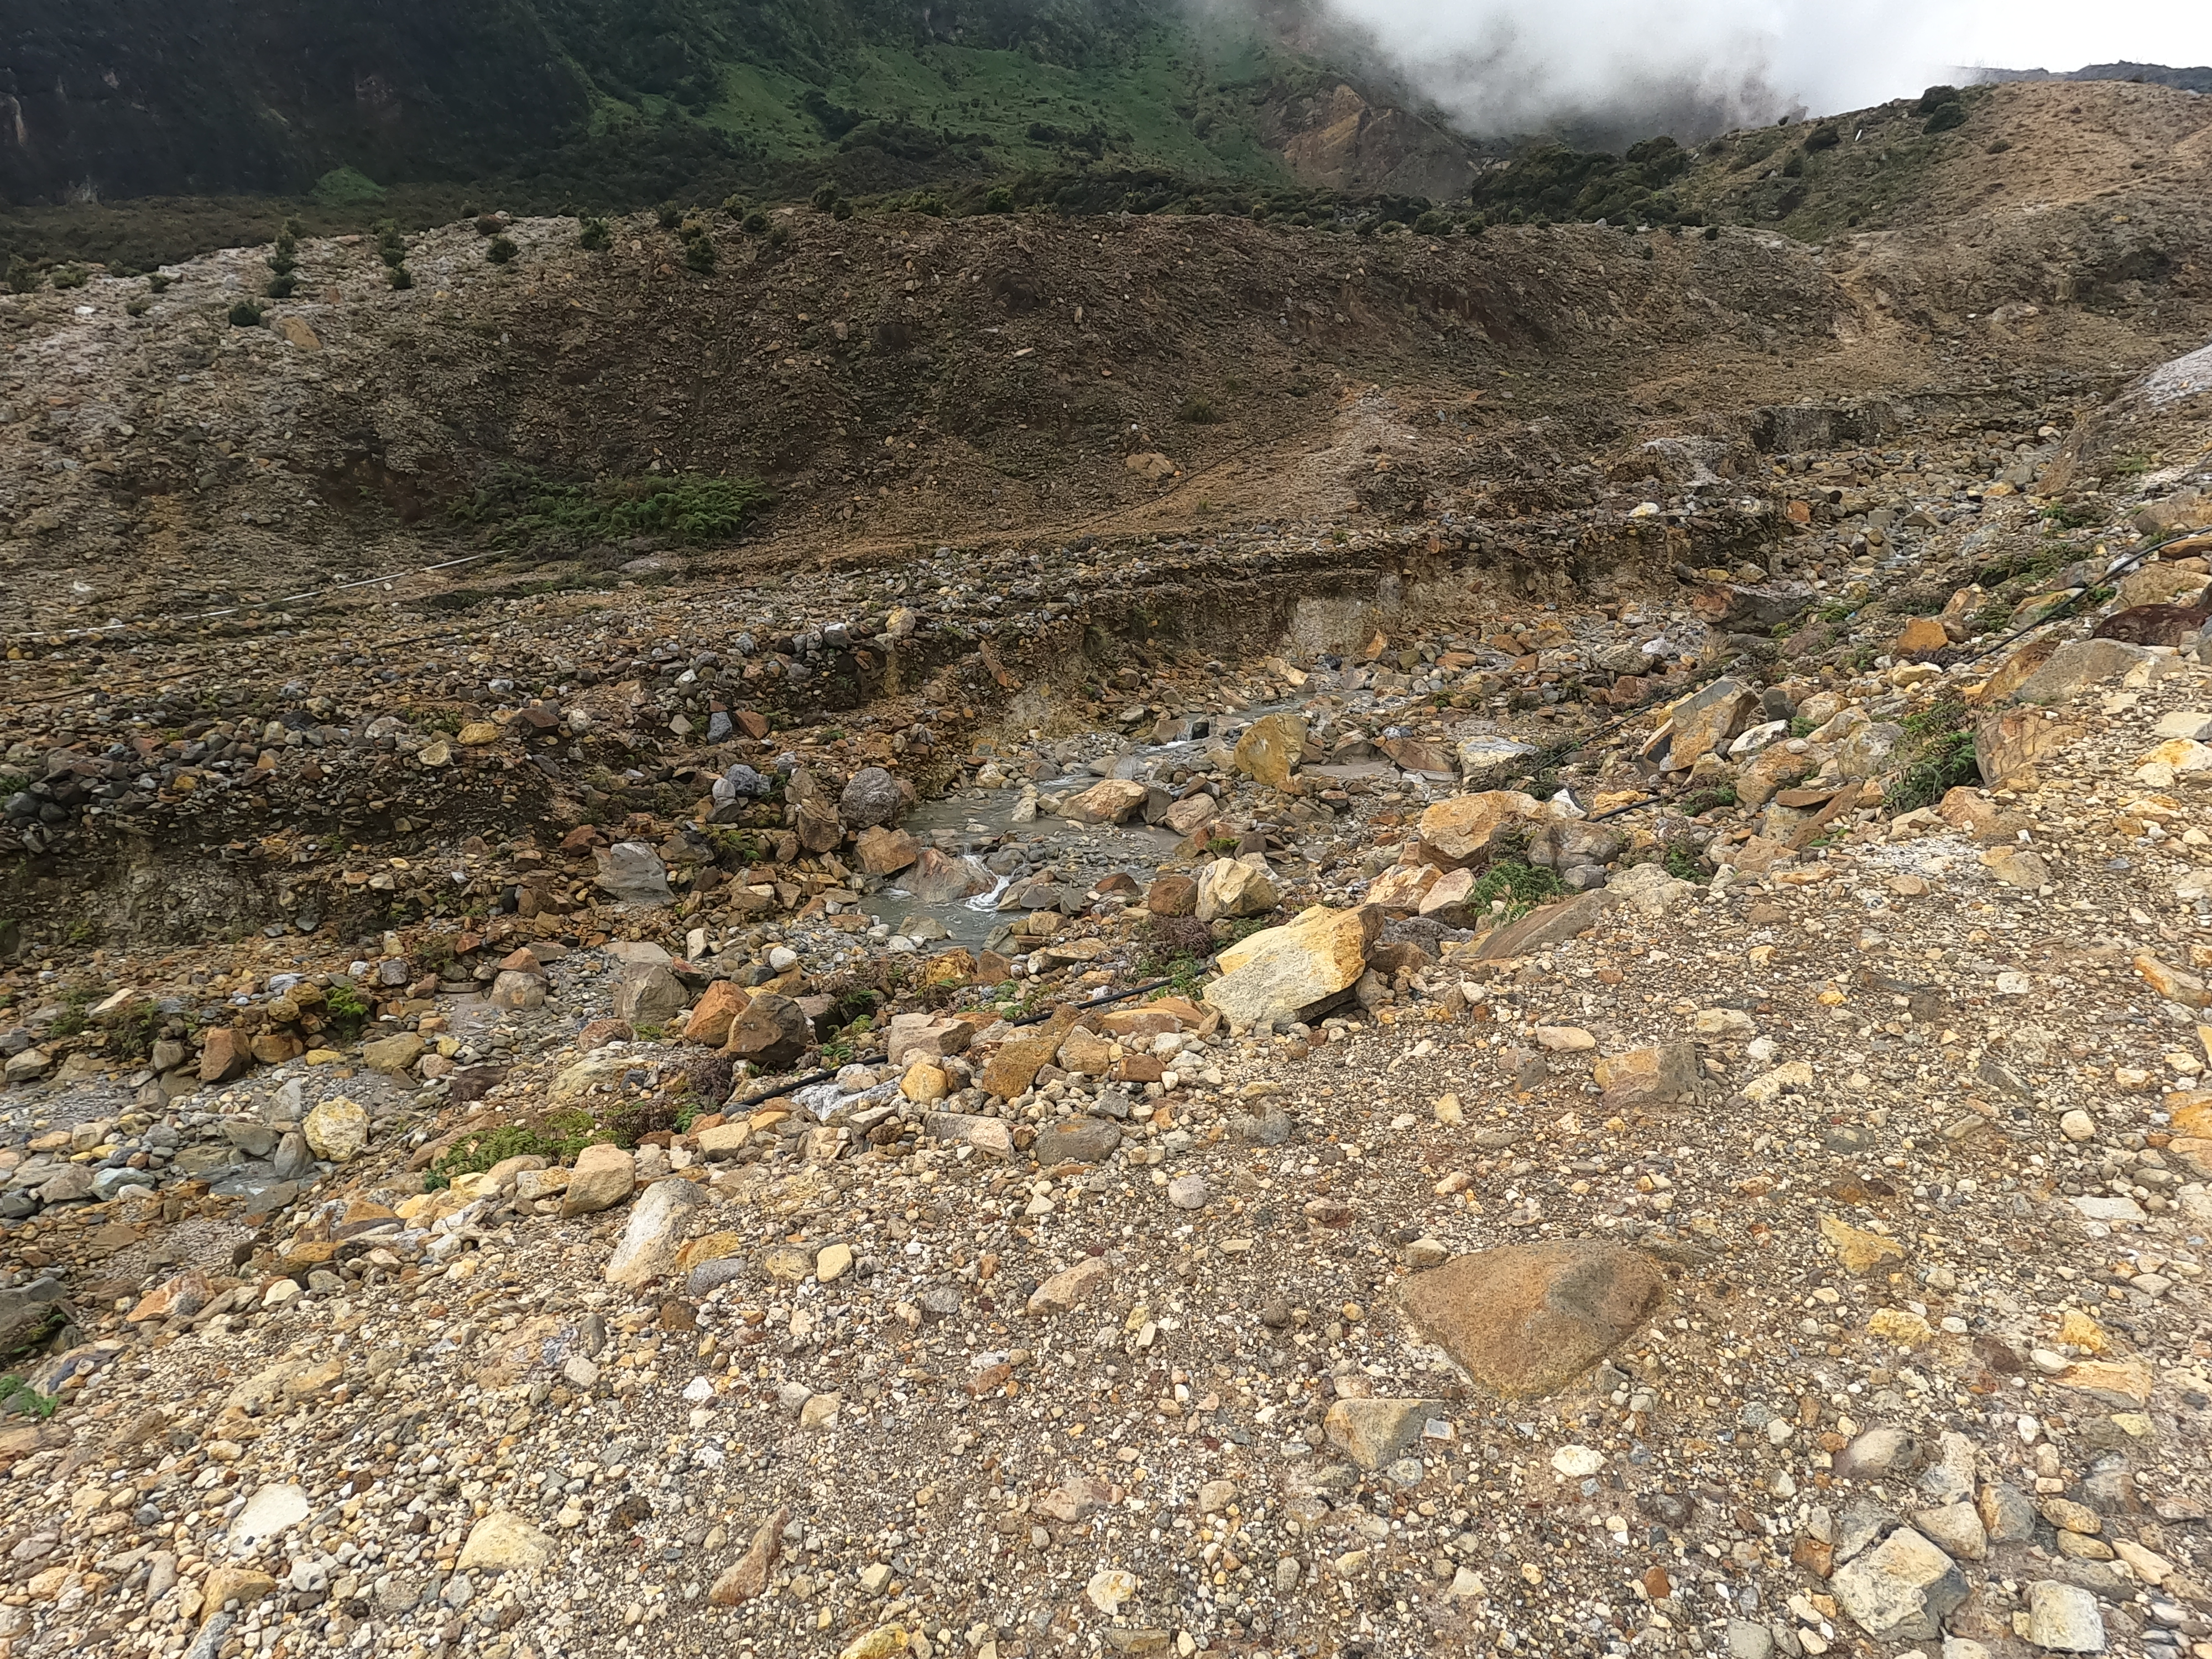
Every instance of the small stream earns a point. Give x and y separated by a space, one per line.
979 824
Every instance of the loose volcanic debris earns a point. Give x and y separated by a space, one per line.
1666 1111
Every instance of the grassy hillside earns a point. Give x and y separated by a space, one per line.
603 100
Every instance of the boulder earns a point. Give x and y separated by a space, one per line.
1072 1288
1462 830
986 1134
632 873
393 1055
646 993
603 1176
222 1057
1703 724
1922 636
337 1129
1400 888
2160 584
516 993
1268 751
884 851
1666 1074
2065 1618
1020 1058
716 1011
1078 1140
925 1036
934 878
1526 1319
1553 924
1296 969
1483 761
1901 1589
772 1032
1192 813
1109 801
1233 887
1085 1052
872 798
1171 895
2071 669
2009 743
1374 1431
505 1542
658 1223
748 1576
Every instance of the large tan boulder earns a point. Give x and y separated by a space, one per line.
1400 889
1526 1319
1702 724
1268 751
2071 669
603 1177
1462 830
1294 970
1230 887
1107 802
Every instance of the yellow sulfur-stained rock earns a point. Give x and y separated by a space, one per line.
1283 972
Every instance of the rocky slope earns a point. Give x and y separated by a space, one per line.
1579 1034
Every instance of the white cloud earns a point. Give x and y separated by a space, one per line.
1511 66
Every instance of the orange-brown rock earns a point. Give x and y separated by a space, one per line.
716 1011
1526 1319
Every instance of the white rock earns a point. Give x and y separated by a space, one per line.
268 1512
1577 1462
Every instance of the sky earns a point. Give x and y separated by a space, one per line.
1511 65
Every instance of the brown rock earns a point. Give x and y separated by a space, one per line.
953 966
245 1585
598 1033
225 1054
1664 1075
181 1294
1020 1059
716 1011
1072 1288
2007 745
884 851
603 1176
1923 636
772 1032
1702 723
1086 1053
1192 813
1171 895
1400 888
1555 924
275 1047
1461 831
748 1576
1526 1319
